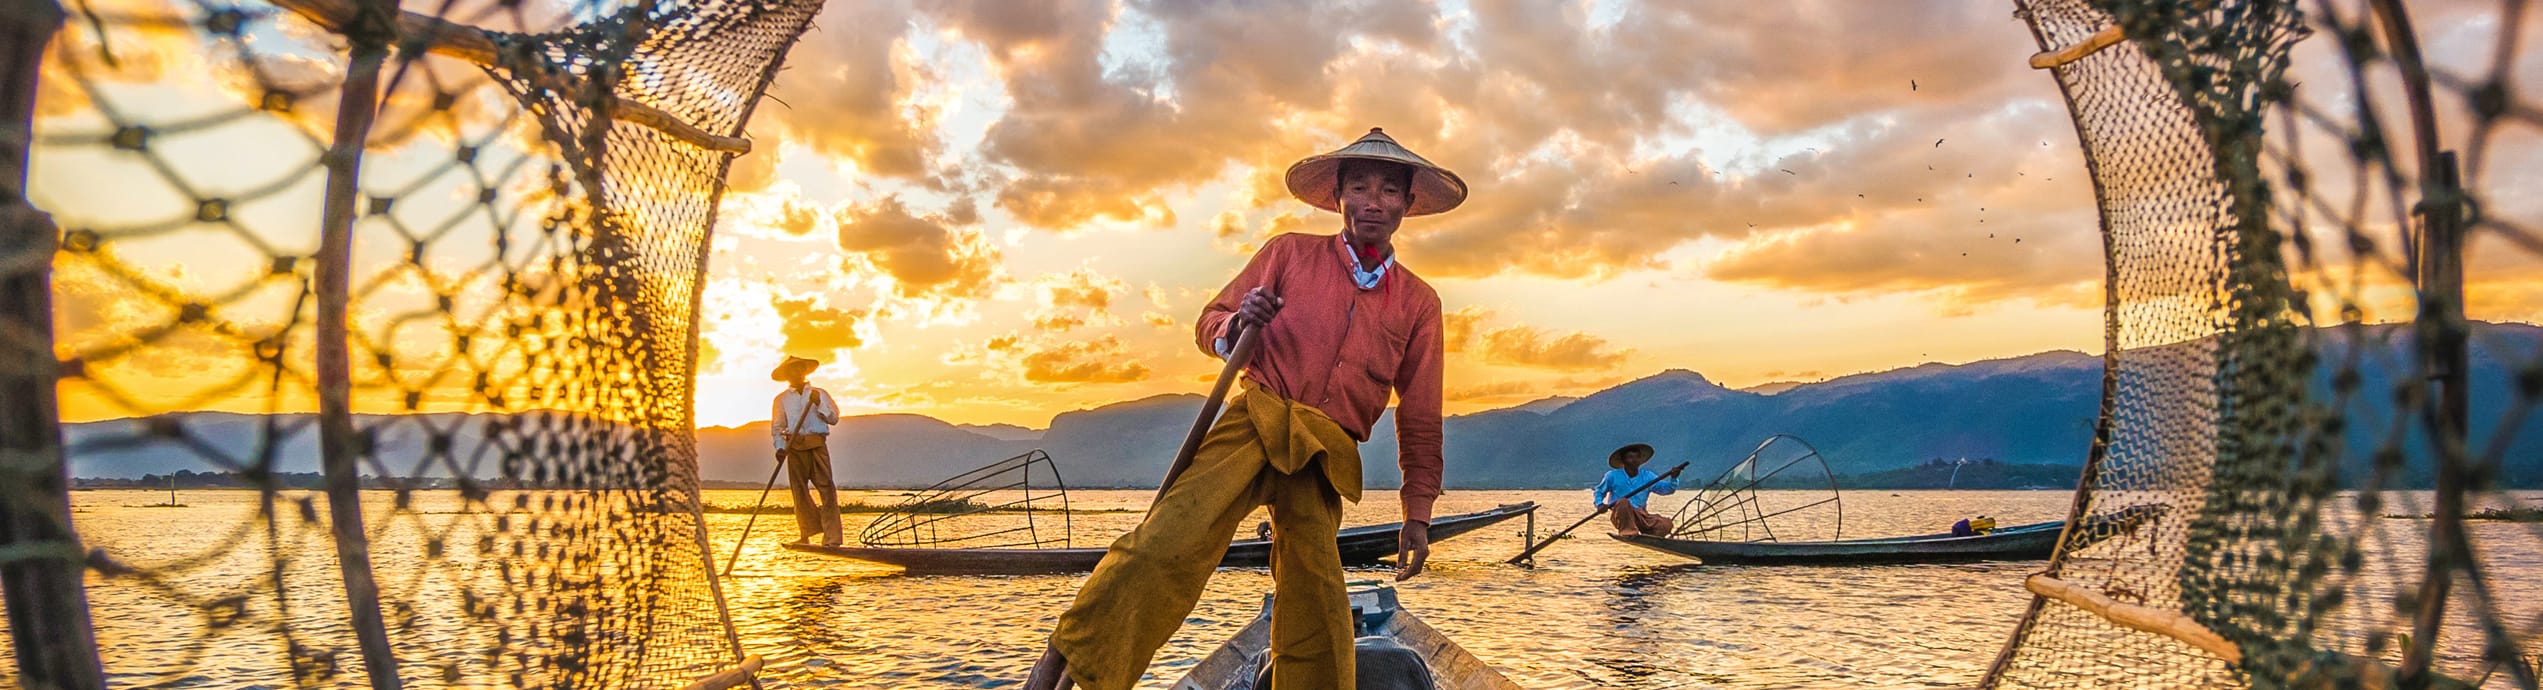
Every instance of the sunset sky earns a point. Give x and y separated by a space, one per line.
991 211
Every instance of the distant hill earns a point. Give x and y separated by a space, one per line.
2028 412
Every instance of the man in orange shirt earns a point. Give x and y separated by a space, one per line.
1343 327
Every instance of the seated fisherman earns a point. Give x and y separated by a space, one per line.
1970 527
1625 475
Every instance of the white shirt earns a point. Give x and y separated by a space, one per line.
790 405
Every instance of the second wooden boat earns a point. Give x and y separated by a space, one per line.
2024 542
2021 542
1359 545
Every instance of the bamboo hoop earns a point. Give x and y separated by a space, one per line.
478 46
2136 617
2091 44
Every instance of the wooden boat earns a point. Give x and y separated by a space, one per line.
2023 542
1396 652
1360 546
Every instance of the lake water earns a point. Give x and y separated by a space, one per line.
1594 613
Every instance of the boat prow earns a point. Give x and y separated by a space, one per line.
1396 651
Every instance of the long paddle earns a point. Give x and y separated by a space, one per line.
1051 671
746 525
1236 358
1527 558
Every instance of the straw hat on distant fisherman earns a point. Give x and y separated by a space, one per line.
1435 189
1617 459
794 368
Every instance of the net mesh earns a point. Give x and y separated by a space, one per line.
2268 401
531 222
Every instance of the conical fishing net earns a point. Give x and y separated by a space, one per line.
451 258
2279 322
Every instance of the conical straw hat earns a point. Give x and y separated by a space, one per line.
793 367
1435 189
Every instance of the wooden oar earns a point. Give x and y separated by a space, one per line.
1526 559
1236 358
754 521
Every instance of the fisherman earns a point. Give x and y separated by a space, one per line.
800 429
1624 474
1364 327
1970 527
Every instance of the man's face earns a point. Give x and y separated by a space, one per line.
1374 198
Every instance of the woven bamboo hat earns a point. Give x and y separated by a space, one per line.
1435 189
1617 459
794 367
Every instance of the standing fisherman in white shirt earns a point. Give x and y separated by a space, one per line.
800 429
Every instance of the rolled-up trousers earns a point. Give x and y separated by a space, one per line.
808 471
1152 577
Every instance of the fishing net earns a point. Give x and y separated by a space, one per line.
1016 503
2275 404
453 260
1730 507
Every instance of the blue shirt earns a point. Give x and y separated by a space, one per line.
1617 483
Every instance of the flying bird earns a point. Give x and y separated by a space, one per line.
1788 171
1938 143
1911 84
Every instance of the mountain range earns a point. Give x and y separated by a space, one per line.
2023 411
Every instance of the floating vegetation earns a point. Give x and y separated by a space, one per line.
2517 514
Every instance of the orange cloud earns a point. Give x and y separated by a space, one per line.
1500 390
1103 360
1065 301
923 257
813 330
1529 346
844 93
1457 328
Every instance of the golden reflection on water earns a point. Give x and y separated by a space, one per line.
1595 613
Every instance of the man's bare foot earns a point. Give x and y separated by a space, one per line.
1050 672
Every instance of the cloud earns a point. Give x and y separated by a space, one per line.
1064 301
1499 390
1070 362
1457 328
847 91
922 257
813 330
1529 346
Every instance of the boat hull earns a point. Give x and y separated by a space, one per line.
1236 664
2026 542
1359 546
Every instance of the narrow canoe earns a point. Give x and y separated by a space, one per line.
1360 546
2025 542
1392 643
2022 542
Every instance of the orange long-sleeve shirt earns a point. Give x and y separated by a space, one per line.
1343 349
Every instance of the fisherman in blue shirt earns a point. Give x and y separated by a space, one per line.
1626 474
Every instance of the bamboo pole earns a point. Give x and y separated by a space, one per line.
735 677
2146 619
47 606
475 45
2104 38
368 31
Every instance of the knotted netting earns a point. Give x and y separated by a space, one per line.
424 283
2286 240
